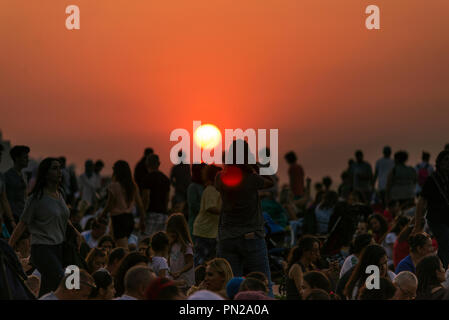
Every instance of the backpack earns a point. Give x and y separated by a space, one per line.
423 174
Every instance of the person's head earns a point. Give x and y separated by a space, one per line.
290 157
19 155
106 243
153 162
23 244
48 173
425 156
314 280
373 254
307 249
122 174
361 242
197 175
62 161
209 173
378 224
387 151
327 182
143 245
89 166
163 289
96 259
329 200
406 284
386 291
98 166
317 294
359 156
114 260
401 157
362 228
218 274
259 276
147 152
104 286
430 273
442 162
1 152
200 274
137 280
87 285
160 243
178 230
400 224
355 197
130 260
421 245
251 284
233 287
98 228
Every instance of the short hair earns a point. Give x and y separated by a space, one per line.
153 160
405 276
17 151
252 284
401 156
159 241
116 254
290 157
136 277
317 294
387 151
361 242
257 275
98 222
417 240
148 151
99 163
106 238
425 156
359 153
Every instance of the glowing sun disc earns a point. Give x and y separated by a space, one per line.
207 136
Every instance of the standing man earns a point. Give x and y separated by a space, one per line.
363 176
88 183
180 178
140 171
15 181
156 189
383 168
296 175
423 169
7 215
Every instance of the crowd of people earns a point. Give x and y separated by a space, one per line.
226 232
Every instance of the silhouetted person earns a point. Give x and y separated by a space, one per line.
363 176
327 182
98 166
401 180
140 171
15 181
423 169
383 167
180 178
88 183
155 190
295 174
7 215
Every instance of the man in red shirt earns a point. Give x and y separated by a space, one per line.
295 174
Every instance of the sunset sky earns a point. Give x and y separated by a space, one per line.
138 69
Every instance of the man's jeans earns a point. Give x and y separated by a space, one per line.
441 233
246 255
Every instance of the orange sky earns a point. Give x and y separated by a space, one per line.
139 69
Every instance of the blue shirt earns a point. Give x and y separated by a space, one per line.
406 264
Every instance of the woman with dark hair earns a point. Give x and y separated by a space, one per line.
46 216
302 259
435 198
96 259
104 286
379 227
315 280
194 193
420 247
123 194
373 255
431 273
241 230
401 182
130 260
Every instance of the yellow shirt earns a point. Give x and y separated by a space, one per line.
206 224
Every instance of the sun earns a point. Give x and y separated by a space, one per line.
207 136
